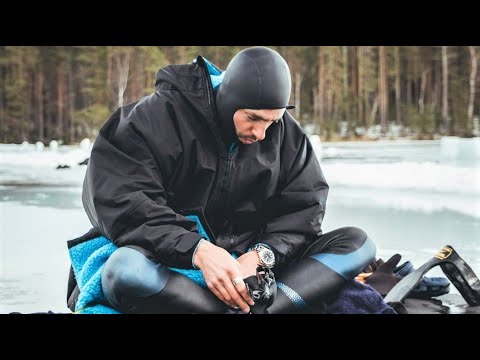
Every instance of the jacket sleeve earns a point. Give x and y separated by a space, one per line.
124 188
299 206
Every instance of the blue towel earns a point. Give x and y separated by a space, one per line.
89 258
358 298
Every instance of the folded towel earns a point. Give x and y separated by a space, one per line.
88 259
358 298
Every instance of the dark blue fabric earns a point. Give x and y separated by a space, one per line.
358 298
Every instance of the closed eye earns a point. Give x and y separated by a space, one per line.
255 118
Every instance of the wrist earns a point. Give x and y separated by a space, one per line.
195 256
252 254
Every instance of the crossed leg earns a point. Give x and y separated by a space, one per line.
326 266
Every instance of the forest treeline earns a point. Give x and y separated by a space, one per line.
67 92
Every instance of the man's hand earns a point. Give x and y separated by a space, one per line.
219 269
249 263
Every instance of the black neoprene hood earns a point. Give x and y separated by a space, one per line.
256 78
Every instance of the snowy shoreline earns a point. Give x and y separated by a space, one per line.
420 175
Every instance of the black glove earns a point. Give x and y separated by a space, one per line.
262 288
373 266
383 278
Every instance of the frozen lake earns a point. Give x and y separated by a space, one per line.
412 198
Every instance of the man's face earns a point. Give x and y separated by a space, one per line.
251 125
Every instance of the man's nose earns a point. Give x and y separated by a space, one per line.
259 132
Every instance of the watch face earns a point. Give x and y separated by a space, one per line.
267 256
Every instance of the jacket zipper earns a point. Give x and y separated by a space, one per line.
228 169
208 87
216 200
220 204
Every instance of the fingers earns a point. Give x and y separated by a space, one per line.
228 299
222 294
219 269
243 291
237 298
391 263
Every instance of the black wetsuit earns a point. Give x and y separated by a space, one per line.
135 283
175 153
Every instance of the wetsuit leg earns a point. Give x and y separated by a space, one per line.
335 258
133 283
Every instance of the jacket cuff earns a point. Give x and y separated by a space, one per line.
259 243
185 249
279 248
195 251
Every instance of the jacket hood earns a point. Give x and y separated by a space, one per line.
197 82
191 81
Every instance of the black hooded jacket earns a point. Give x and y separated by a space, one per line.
162 158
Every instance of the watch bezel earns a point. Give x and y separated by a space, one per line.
262 250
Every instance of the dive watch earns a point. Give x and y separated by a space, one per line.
266 256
